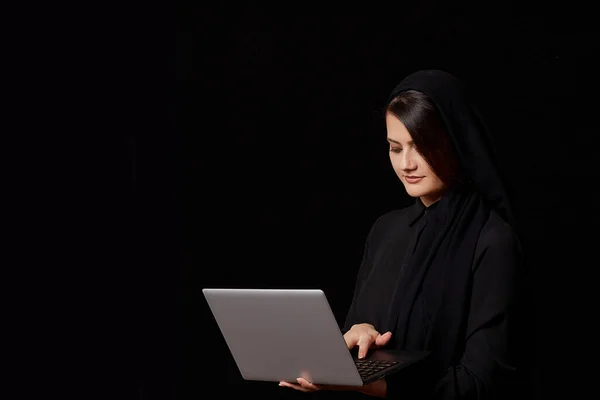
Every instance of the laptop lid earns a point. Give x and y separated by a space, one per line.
282 334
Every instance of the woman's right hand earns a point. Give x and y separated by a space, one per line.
366 337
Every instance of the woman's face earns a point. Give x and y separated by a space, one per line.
412 169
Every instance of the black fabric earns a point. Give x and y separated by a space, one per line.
441 263
493 329
440 267
426 283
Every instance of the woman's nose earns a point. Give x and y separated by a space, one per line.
407 162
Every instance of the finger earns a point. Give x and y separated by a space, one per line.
307 385
351 341
363 346
294 386
382 340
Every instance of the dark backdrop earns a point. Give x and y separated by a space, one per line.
282 167
264 163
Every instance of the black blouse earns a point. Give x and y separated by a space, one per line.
487 365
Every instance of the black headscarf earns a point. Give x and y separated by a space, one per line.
440 266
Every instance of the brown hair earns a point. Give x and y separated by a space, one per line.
428 131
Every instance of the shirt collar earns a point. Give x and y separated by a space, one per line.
419 210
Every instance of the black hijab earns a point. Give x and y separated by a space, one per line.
440 267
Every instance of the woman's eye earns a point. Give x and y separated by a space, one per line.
395 149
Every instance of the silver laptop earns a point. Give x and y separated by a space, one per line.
282 334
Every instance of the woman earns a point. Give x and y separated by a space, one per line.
442 275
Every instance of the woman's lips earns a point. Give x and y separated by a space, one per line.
413 179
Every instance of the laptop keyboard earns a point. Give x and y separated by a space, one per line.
368 367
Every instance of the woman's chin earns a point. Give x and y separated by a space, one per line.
414 192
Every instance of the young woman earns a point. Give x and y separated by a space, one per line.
444 274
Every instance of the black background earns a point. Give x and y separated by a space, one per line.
248 150
284 158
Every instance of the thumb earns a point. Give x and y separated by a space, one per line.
382 340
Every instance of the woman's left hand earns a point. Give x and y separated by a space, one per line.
377 388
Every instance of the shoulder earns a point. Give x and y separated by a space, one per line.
394 217
497 232
392 221
497 240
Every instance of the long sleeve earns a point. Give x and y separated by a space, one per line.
488 366
385 247
487 369
364 268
